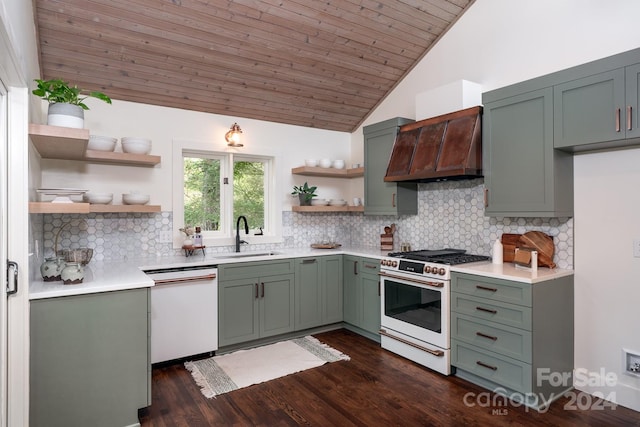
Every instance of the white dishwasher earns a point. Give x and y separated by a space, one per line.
184 311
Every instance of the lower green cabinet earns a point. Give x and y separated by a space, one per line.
89 359
362 295
256 306
318 291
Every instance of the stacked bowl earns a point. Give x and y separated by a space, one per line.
134 145
101 143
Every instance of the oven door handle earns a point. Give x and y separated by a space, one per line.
438 353
419 282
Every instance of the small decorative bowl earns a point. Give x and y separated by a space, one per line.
98 198
311 163
81 255
135 145
319 202
325 163
338 164
135 199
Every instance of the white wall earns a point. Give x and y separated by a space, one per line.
500 42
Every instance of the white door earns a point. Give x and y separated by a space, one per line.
3 254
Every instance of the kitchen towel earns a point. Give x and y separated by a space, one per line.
222 374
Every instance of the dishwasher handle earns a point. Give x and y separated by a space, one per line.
184 279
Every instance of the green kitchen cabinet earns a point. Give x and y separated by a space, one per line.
90 359
513 337
597 109
318 291
380 197
255 301
362 295
524 175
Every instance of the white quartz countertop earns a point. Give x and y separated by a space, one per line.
98 277
109 276
509 271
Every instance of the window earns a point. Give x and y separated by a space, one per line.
217 188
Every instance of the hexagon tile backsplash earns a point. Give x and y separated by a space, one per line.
450 214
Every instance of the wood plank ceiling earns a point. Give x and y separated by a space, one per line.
322 64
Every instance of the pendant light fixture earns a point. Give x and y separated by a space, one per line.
233 136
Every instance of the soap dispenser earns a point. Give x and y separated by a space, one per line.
496 255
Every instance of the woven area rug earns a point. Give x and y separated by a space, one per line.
222 374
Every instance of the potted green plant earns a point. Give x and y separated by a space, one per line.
66 102
305 193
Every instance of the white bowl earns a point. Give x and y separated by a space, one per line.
98 198
311 163
101 143
337 202
338 164
318 202
136 145
325 163
135 199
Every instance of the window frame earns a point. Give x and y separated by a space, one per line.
225 236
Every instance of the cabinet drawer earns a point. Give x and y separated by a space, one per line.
370 266
494 289
512 342
501 370
245 270
495 311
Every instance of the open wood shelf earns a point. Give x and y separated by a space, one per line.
113 157
328 172
327 208
85 208
55 142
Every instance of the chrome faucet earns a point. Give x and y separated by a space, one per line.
246 230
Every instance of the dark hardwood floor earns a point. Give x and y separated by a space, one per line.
374 388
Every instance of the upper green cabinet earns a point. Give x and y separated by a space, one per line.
524 175
594 109
380 197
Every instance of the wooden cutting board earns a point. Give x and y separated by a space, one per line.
541 242
509 244
535 240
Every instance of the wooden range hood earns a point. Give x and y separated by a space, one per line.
440 148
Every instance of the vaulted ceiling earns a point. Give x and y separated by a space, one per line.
317 63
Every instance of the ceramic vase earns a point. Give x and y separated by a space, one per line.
51 269
72 273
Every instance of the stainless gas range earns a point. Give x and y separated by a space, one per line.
415 289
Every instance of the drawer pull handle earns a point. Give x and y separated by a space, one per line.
480 334
629 117
486 310
484 288
617 120
256 291
309 261
484 365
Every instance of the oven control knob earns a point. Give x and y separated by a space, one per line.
441 271
427 269
394 264
383 262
